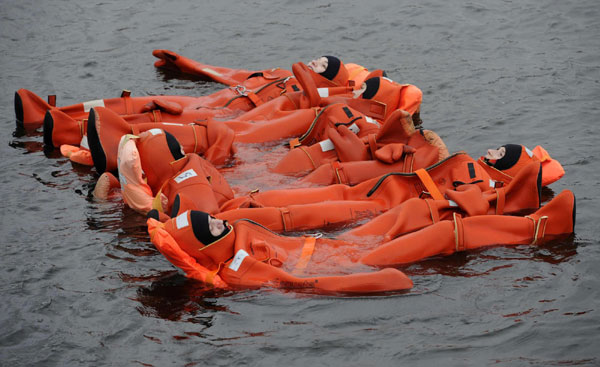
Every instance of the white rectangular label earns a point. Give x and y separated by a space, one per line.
323 92
452 203
182 220
185 175
155 131
237 260
211 71
371 121
87 106
172 124
492 183
354 128
326 145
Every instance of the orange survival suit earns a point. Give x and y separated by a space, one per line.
516 157
308 208
105 129
349 157
246 91
460 234
155 173
248 255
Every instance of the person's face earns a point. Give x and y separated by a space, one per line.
318 65
495 154
215 226
357 92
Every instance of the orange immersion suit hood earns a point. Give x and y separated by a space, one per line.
517 157
335 71
201 230
158 149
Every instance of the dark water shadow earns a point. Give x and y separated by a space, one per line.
176 298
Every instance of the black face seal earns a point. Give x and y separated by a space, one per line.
511 157
333 67
201 230
372 88
174 146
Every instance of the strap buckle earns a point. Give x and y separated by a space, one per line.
240 89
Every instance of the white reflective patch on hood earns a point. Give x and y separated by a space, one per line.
155 131
87 106
182 220
323 92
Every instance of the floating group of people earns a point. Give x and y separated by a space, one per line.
357 148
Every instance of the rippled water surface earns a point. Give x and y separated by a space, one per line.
83 285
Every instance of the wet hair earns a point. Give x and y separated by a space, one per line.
511 157
372 88
174 146
201 229
333 67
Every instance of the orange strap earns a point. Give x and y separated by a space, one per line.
195 138
539 229
500 200
435 215
254 98
286 218
408 161
128 104
459 233
156 115
82 127
429 184
307 251
339 172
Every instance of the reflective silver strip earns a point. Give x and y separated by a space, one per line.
211 71
182 220
87 106
528 151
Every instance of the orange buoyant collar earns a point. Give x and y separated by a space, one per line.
336 74
383 90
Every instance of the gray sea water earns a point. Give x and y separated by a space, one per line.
82 285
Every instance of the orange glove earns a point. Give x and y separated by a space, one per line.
348 146
393 152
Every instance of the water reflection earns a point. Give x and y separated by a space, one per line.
176 298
